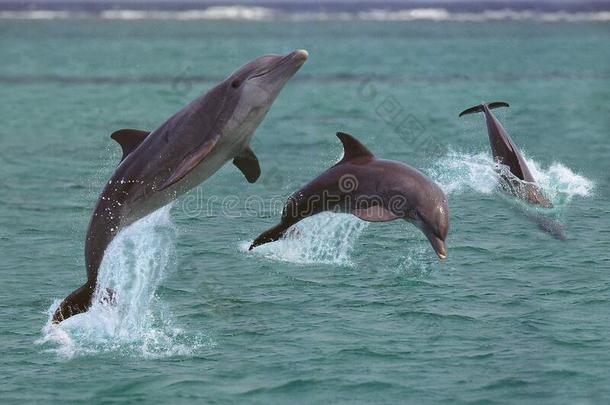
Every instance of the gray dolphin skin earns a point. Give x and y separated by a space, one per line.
372 189
185 150
506 153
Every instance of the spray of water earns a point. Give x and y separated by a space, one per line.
134 321
559 182
459 172
326 238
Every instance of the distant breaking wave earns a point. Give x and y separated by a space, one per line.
245 13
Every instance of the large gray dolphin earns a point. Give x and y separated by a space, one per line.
185 150
506 153
373 190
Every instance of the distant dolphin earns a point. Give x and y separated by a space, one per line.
185 150
373 190
506 153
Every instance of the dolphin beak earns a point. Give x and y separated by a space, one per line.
274 76
286 66
438 245
442 256
299 56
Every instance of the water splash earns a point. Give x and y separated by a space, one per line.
559 182
326 238
136 321
460 172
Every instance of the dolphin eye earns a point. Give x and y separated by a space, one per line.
235 84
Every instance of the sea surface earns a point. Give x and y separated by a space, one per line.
342 311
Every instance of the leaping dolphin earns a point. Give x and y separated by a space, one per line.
185 150
372 189
506 153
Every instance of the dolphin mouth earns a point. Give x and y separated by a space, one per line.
293 61
439 246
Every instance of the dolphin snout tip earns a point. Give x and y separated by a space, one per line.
441 250
438 245
301 54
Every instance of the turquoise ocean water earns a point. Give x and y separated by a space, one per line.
343 311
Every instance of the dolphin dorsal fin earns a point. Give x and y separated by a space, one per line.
352 148
129 139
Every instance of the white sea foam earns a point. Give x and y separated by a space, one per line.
42 15
136 323
211 13
326 238
458 172
256 13
558 181
489 15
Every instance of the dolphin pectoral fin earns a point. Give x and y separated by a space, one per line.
189 163
75 303
376 213
247 162
129 139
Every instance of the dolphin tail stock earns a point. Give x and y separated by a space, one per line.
481 107
270 235
75 303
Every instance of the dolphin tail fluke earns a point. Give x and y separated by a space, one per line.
75 303
480 107
270 235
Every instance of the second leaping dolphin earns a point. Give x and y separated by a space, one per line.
372 189
185 150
